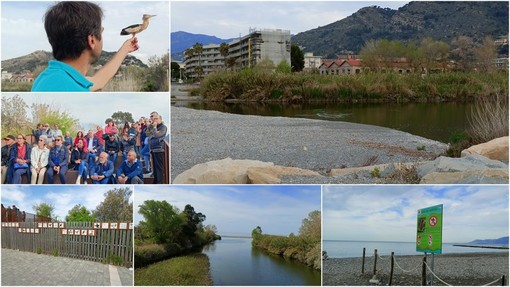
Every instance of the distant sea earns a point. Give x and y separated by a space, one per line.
346 249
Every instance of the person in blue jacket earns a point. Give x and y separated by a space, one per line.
130 171
102 171
58 163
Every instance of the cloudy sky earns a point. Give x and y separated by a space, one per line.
388 213
23 27
63 197
237 210
93 109
228 19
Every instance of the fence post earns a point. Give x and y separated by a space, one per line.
424 271
363 262
391 270
503 280
375 261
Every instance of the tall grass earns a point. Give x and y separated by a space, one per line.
297 248
190 270
253 85
489 119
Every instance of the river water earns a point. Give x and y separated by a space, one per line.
233 261
436 121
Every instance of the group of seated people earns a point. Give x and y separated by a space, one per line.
93 155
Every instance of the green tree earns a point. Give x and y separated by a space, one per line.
79 213
311 226
297 59
175 70
46 113
116 206
14 116
256 232
435 53
121 117
198 49
44 209
283 67
192 221
224 49
162 222
156 77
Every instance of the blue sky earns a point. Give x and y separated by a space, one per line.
63 197
236 210
23 27
388 213
92 109
229 19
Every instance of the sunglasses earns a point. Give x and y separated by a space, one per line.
57 140
41 140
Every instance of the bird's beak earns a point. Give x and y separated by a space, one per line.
150 16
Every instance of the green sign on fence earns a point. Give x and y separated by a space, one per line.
429 235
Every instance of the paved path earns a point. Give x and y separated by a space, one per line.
31 269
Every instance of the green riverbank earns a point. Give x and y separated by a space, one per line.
259 86
189 270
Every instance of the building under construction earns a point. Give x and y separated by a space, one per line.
247 51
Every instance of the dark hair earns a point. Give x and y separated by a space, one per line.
68 25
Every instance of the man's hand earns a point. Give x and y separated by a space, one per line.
130 45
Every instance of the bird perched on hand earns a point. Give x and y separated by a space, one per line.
137 28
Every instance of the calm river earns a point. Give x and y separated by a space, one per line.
436 121
234 262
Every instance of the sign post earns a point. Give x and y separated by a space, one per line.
429 232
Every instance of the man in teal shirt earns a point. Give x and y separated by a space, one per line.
75 33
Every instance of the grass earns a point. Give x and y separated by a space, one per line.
190 270
252 85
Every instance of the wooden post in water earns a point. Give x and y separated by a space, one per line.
424 271
375 261
363 262
503 280
391 270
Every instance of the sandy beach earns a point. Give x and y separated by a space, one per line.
465 269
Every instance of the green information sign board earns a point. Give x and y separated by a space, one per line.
429 235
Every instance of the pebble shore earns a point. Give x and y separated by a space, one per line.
199 136
465 269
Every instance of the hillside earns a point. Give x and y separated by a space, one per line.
40 59
180 41
499 241
414 21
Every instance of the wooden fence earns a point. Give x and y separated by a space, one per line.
110 243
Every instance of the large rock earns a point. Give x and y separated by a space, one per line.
470 169
496 149
271 174
229 171
225 171
487 176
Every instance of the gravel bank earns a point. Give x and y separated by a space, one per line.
467 269
199 136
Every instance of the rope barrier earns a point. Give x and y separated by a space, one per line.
406 271
436 275
383 258
495 281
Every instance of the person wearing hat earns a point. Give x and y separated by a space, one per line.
6 149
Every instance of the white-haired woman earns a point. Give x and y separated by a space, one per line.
39 163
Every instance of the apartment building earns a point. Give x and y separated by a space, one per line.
247 51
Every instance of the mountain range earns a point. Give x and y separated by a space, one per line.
180 41
39 59
499 241
440 20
